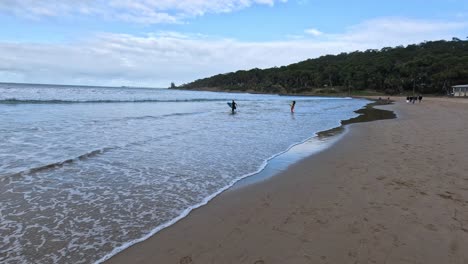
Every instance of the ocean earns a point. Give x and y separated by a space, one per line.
87 171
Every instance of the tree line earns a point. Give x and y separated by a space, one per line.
428 67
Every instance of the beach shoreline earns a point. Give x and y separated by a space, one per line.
365 199
278 163
147 165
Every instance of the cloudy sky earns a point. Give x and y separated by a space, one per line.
153 42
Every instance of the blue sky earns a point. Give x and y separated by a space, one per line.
154 42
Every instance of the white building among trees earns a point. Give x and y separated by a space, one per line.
460 90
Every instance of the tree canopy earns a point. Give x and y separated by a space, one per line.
428 67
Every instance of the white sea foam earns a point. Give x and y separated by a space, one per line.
205 201
112 175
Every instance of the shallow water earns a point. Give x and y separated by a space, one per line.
85 171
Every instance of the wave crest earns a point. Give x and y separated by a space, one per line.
59 164
33 101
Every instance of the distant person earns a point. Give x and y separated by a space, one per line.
233 106
407 99
420 98
292 106
388 100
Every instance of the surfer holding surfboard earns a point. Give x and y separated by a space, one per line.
233 106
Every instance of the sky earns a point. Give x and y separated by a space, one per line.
151 43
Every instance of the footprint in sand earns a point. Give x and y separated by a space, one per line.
259 262
186 260
430 227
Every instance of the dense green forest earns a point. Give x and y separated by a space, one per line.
429 67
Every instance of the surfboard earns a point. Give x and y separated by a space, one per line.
230 105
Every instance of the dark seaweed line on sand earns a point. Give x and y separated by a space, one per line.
366 114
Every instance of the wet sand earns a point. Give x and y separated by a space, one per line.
390 191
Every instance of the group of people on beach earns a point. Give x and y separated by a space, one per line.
413 99
234 106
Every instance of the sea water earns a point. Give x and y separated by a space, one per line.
87 171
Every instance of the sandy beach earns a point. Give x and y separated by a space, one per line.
389 191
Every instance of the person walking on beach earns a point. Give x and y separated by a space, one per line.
292 106
233 106
420 98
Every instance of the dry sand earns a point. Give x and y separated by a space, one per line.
390 191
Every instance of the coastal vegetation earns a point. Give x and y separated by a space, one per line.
428 67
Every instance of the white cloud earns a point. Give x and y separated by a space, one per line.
35 9
159 58
138 11
313 32
396 31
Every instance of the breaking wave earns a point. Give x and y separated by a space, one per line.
20 101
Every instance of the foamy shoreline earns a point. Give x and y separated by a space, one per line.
378 196
312 145
92 177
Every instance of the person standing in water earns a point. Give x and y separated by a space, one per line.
233 106
292 106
